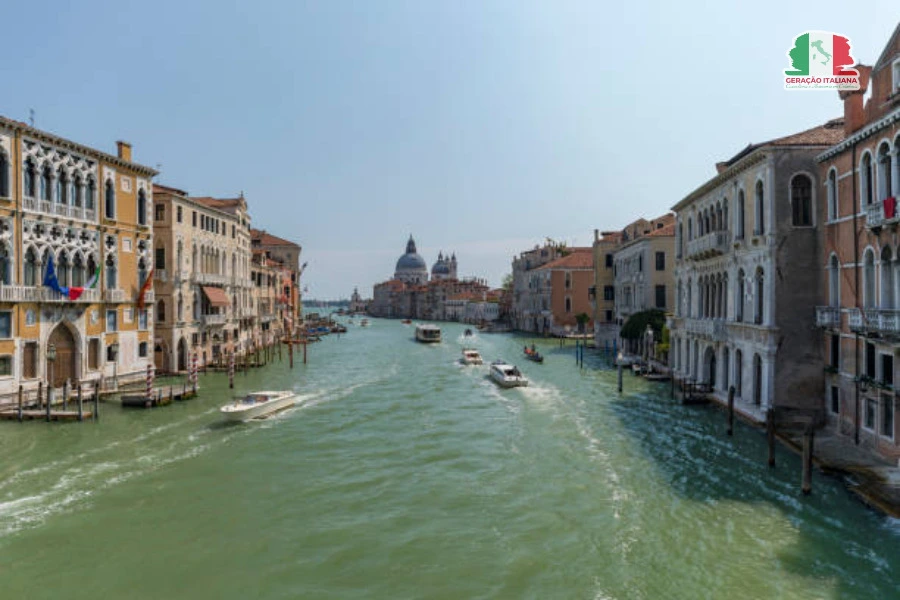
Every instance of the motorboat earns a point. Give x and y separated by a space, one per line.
533 355
506 375
364 323
258 404
468 333
428 334
471 356
406 321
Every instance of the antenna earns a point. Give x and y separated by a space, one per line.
31 116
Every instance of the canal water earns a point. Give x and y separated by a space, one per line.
402 474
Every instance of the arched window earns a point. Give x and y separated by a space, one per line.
738 372
77 191
62 269
759 215
739 233
31 267
801 201
29 177
180 307
725 224
866 190
690 230
196 306
760 297
142 272
568 304
690 308
45 183
725 296
834 282
680 240
62 187
112 281
869 279
887 278
678 305
832 194
4 265
4 175
884 171
726 368
90 193
739 297
91 268
178 255
161 311
757 380
110 200
78 271
142 208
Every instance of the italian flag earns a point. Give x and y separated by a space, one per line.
821 53
75 292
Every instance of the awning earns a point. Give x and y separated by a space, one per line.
216 296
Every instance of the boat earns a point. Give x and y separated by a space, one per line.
467 333
506 375
470 356
257 404
406 321
533 355
429 334
364 323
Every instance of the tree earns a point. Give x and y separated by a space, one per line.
507 283
582 319
636 325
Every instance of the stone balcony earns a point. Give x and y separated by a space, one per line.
212 320
709 245
149 297
26 293
712 329
875 320
114 296
828 317
211 279
161 275
60 210
876 213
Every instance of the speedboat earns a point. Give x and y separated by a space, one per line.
533 355
257 404
364 323
468 332
429 334
506 375
471 357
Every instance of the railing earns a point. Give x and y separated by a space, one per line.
25 293
875 215
114 295
211 278
161 275
61 210
828 316
855 319
212 319
881 320
709 328
149 297
710 244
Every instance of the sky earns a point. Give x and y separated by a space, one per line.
480 127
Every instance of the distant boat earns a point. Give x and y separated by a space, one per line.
468 332
533 355
364 323
428 334
471 356
506 375
406 321
257 404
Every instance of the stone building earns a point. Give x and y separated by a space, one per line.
569 279
642 270
859 265
745 249
603 292
88 212
530 301
286 254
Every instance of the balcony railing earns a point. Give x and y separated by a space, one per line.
161 275
876 320
26 293
60 210
212 319
882 213
149 297
713 329
114 296
211 278
828 316
711 244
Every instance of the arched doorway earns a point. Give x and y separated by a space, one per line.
709 361
64 367
161 357
182 355
757 380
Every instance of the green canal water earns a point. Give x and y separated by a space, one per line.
402 474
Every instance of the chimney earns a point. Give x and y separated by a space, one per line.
124 150
721 166
854 109
596 235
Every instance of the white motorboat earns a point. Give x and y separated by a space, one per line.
429 334
364 323
506 375
471 357
257 404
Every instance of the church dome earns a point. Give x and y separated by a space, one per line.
411 261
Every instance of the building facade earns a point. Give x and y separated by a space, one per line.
642 270
859 183
530 295
569 279
603 292
746 243
87 212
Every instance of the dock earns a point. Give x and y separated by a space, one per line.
161 396
41 415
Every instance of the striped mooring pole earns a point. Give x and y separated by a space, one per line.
194 372
231 370
149 382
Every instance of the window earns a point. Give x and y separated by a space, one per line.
801 201
193 218
568 280
110 200
835 400
759 214
142 350
29 178
884 171
31 267
178 214
887 369
6 331
111 273
870 413
142 319
77 191
640 263
233 232
94 354
609 292
89 194
568 304
29 360
865 180
62 186
869 279
832 190
760 289
4 266
160 261
112 320
142 272
142 207
834 282
160 212
609 261
161 311
195 339
62 268
896 86
835 350
887 416
45 183
660 261
4 175
110 356
609 316
5 365
660 296
870 360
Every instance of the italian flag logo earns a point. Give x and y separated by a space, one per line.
821 60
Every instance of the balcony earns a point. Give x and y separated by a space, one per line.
114 296
828 317
25 293
882 213
59 210
709 245
211 279
712 329
149 297
161 275
875 320
212 320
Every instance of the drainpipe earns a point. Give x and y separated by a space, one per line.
858 304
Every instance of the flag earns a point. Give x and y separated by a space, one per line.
50 279
75 292
144 289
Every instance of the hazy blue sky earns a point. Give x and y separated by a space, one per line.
480 127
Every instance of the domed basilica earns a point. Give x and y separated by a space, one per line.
412 270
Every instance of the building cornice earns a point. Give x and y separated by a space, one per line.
864 133
745 163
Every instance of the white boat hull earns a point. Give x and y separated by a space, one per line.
238 411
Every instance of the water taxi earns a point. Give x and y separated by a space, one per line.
429 334
471 356
506 375
364 323
257 404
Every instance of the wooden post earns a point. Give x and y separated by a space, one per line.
40 394
808 438
731 410
49 400
231 371
65 402
619 369
80 404
280 344
291 352
671 383
171 394
770 435
304 352
21 392
96 402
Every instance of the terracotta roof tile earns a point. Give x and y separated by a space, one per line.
580 258
265 238
667 231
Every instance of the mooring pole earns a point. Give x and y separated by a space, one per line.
808 440
21 392
231 371
80 404
40 394
96 414
304 352
66 394
731 410
770 435
619 374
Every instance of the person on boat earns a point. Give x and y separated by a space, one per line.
532 348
